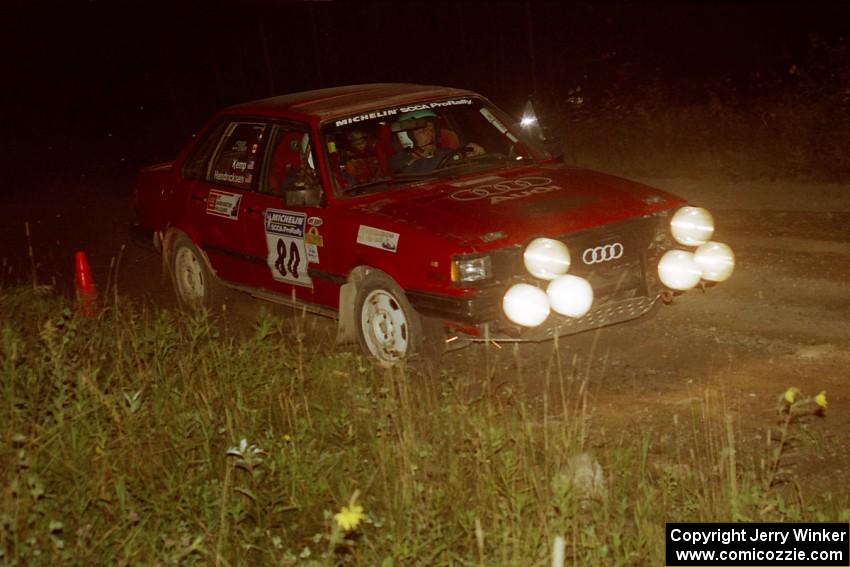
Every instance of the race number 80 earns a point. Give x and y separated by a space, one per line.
286 259
290 265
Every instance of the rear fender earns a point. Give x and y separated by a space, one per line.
154 197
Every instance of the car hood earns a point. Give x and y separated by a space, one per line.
509 207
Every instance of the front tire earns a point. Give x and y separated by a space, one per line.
388 328
195 286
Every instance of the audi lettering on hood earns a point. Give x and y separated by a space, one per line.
507 190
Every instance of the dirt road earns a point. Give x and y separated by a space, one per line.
782 321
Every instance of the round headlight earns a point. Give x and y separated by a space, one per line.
692 226
716 260
678 270
570 295
526 305
546 258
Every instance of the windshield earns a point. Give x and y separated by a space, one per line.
375 151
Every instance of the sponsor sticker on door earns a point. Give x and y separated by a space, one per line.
287 254
223 204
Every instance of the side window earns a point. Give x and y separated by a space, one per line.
196 165
290 169
236 158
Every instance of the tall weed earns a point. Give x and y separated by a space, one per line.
144 436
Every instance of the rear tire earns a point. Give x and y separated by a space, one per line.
194 285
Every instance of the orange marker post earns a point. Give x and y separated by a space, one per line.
87 303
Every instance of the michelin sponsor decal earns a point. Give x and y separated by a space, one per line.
286 223
377 238
392 112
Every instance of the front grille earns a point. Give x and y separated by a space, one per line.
624 288
623 277
506 264
614 278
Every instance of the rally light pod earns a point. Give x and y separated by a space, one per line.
570 295
526 305
716 260
678 270
692 226
546 258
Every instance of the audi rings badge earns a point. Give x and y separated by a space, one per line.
606 253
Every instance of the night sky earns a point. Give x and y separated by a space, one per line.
132 81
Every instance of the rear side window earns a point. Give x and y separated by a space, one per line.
237 156
291 165
196 165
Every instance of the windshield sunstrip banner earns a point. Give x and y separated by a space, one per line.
392 112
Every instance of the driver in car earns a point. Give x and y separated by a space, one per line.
422 151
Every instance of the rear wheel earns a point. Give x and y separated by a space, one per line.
194 284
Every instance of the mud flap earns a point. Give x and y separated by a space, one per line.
346 330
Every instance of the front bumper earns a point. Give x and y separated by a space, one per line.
481 307
486 309
611 313
624 289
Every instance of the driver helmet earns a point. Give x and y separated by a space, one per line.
403 130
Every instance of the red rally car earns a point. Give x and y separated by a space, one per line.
405 211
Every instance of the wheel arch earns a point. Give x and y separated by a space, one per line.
168 238
346 329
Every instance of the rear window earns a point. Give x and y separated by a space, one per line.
196 164
237 156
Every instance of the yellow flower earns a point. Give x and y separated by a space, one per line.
820 399
790 394
349 517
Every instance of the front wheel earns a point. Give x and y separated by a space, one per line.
388 328
194 284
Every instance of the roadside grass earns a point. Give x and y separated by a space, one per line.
149 437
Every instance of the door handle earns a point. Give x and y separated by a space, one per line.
251 211
199 197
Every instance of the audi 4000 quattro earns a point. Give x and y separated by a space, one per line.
406 211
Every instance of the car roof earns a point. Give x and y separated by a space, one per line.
337 102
